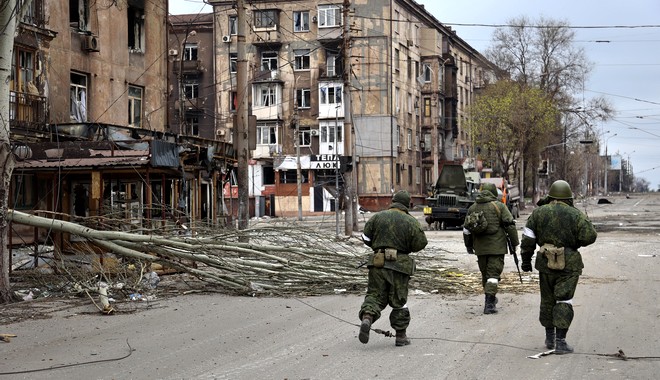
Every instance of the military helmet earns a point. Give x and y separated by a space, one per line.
489 187
402 197
560 189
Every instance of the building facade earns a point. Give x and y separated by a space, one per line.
370 93
89 101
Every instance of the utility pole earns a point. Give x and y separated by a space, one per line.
350 180
296 140
241 125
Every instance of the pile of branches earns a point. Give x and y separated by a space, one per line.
272 259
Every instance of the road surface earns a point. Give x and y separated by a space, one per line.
213 336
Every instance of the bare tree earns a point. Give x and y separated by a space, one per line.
541 54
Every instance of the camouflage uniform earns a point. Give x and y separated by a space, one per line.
388 285
491 245
558 223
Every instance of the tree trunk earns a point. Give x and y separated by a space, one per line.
8 22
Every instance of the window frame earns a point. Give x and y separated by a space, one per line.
301 59
269 130
304 98
268 58
78 90
300 24
330 13
269 16
265 99
325 94
132 101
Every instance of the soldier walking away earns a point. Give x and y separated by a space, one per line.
487 230
392 234
559 229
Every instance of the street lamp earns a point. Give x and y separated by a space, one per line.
607 162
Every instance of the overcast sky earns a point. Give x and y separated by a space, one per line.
627 67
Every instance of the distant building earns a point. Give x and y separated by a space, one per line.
409 80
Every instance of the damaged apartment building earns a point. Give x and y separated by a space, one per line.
90 127
367 92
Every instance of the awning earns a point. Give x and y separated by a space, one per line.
291 163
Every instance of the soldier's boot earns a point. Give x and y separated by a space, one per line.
550 337
365 327
489 307
401 338
561 347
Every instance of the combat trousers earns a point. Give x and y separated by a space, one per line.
490 266
557 290
387 287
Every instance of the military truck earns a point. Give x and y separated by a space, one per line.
450 198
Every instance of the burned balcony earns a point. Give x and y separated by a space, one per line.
27 111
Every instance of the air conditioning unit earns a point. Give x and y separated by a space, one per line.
173 52
314 132
220 132
90 43
226 38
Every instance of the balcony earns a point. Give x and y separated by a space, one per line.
194 104
27 111
187 67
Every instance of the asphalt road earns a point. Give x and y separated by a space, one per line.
221 337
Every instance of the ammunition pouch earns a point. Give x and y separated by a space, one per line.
555 256
384 254
379 259
390 254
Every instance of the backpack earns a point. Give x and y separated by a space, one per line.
476 221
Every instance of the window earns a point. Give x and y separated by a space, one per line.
396 60
79 14
303 98
397 16
233 62
269 61
265 95
265 19
191 90
398 174
190 52
233 25
427 73
34 14
192 125
329 16
78 97
301 59
330 94
22 70
409 140
398 134
328 132
427 107
410 67
266 134
233 101
24 191
134 106
410 103
301 21
397 101
332 68
136 25
305 137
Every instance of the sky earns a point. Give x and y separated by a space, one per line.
626 67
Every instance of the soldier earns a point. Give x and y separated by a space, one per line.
489 240
559 229
392 234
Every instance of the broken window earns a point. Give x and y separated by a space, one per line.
266 133
135 106
192 124
190 52
136 25
233 25
79 14
191 90
301 59
301 21
329 16
78 97
303 98
265 19
269 61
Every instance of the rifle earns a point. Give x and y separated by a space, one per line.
512 250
